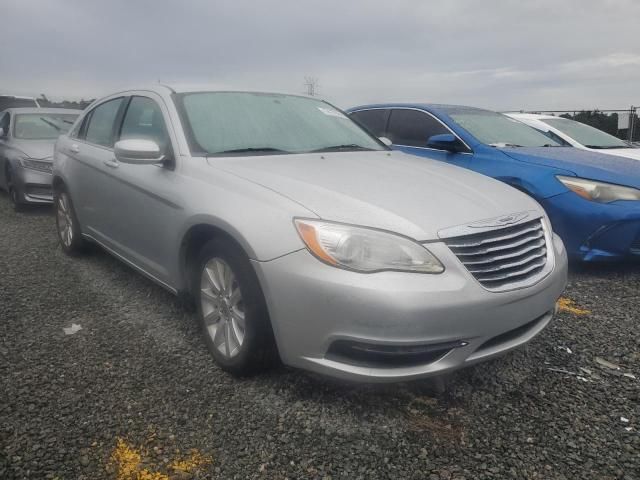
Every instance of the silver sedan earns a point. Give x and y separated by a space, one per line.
27 136
300 237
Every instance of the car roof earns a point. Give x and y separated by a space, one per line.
218 89
19 97
533 116
432 107
164 88
42 110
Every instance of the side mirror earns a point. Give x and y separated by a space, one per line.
386 141
444 141
138 152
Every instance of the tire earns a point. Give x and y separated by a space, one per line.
231 310
67 225
14 193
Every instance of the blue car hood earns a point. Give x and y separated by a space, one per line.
592 165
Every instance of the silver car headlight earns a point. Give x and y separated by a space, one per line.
599 191
365 249
38 165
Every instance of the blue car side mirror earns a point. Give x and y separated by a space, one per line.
444 141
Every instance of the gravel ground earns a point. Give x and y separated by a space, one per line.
134 394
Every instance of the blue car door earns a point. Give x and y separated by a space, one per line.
409 130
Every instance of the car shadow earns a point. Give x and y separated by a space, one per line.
604 269
29 210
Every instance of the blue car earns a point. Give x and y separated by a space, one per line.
592 199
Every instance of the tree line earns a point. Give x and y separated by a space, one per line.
81 104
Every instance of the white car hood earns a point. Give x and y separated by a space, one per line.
633 153
414 196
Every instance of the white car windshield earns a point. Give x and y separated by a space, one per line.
242 123
588 136
499 130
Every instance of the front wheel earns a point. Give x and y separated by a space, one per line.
67 225
14 193
232 310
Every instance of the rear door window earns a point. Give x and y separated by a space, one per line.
413 128
100 126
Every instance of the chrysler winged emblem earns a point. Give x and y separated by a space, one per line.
500 221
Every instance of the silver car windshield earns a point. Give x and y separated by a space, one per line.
499 130
42 126
242 123
586 135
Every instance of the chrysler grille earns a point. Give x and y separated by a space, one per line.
513 256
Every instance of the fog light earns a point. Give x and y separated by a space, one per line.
377 355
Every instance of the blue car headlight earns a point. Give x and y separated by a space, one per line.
599 191
38 165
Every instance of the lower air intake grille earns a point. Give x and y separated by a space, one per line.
500 259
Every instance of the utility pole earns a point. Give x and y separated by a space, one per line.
312 86
632 115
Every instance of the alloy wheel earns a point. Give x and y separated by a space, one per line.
222 307
65 220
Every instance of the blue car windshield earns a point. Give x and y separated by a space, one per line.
244 123
499 130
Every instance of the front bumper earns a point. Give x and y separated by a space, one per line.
313 306
34 187
594 231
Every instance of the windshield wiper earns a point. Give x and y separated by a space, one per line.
50 123
337 148
604 147
503 145
253 150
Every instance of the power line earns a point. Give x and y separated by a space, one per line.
312 85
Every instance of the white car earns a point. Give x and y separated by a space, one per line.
575 134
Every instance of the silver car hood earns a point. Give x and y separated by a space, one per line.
411 195
39 149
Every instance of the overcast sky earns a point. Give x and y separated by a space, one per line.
501 54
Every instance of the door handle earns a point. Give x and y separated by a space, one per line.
74 148
111 163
